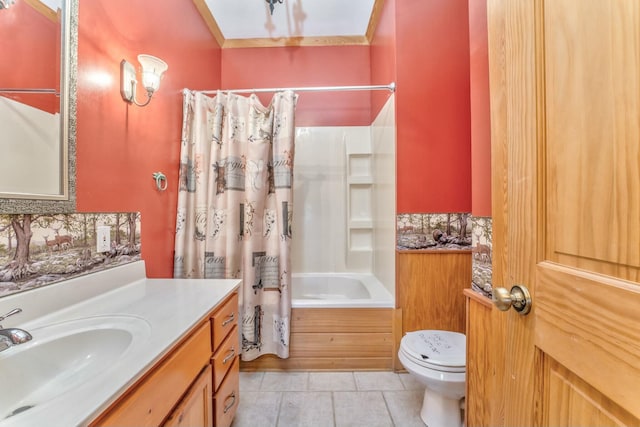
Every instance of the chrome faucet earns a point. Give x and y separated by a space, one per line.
12 336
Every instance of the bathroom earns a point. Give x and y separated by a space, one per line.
437 160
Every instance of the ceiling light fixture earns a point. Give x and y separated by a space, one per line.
272 4
152 70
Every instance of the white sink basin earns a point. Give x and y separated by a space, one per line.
63 356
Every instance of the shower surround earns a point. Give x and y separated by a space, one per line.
344 199
344 222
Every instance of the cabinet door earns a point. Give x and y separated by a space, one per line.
196 407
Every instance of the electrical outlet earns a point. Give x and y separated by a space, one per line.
103 240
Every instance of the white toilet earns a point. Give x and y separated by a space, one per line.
437 360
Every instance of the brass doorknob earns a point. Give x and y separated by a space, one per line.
519 298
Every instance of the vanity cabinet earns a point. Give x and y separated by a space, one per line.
196 384
226 365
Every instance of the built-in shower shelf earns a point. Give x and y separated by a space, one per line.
360 180
361 224
359 206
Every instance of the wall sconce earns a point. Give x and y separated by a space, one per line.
152 70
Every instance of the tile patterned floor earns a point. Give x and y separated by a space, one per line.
332 399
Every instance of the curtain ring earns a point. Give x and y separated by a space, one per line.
161 181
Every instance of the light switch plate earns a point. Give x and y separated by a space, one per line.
103 238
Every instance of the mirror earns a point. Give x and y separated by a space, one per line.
38 41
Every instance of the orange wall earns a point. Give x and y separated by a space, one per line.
119 146
480 113
306 66
432 106
29 56
383 56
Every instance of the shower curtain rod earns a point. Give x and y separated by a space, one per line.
391 87
21 90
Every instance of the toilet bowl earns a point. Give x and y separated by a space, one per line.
437 360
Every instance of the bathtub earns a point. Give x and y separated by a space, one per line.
338 290
339 322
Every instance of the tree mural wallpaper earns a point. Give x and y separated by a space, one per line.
41 249
434 231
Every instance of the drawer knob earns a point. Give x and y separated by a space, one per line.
231 397
230 318
230 355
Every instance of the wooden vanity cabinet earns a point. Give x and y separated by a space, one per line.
226 366
196 384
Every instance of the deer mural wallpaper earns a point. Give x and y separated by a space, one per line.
451 231
42 249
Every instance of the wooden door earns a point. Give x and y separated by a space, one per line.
565 102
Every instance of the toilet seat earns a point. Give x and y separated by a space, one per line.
443 351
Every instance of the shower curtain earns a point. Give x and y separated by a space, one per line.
235 207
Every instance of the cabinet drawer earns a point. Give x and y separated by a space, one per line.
224 320
225 401
149 401
224 357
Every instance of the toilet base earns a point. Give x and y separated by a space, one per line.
439 411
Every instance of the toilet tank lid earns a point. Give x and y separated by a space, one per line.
444 348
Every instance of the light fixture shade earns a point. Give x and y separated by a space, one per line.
152 70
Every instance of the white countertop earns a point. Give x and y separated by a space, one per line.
171 307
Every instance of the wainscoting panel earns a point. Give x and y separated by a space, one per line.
429 286
335 339
481 359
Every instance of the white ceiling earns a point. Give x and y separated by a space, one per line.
251 19
53 4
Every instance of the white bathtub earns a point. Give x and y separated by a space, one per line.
338 290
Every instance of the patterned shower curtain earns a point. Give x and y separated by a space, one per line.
235 207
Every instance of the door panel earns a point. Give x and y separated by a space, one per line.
573 402
565 100
592 62
589 323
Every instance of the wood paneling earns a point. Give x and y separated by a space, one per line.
335 339
343 345
429 288
397 337
274 363
481 359
340 320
